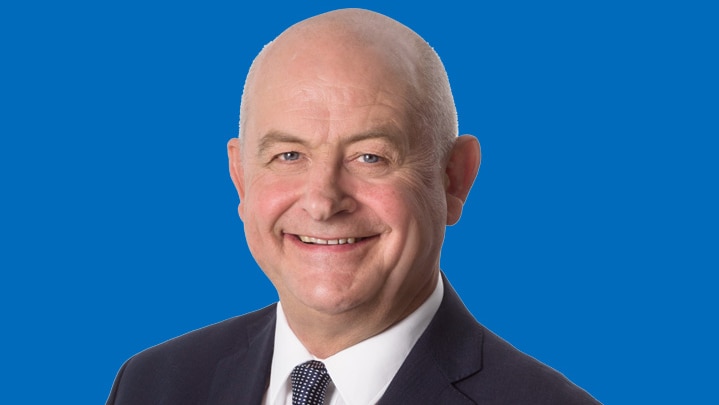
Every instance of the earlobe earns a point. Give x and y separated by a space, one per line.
234 155
460 173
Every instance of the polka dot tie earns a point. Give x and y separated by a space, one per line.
309 382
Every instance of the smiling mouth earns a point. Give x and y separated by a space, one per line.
319 241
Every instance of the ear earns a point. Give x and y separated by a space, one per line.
460 173
234 155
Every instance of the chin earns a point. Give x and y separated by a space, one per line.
330 301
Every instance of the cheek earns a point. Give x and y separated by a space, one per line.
267 198
424 197
406 205
386 201
266 201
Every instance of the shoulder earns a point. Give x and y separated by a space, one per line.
488 369
181 369
511 376
210 341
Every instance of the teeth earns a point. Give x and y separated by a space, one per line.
318 241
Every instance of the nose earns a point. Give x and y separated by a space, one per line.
326 192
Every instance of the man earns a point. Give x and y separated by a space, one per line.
348 168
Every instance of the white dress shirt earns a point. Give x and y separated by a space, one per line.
360 373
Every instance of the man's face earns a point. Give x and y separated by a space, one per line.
342 209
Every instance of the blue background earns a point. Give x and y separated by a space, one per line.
589 240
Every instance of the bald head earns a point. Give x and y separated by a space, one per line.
343 43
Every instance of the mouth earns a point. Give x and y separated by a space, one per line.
311 240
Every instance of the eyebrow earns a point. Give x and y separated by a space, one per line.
274 137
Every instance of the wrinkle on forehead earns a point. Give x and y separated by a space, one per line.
330 113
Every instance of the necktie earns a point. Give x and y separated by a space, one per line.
309 381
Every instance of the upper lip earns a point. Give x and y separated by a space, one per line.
329 241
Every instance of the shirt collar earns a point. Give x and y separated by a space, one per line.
360 373
288 353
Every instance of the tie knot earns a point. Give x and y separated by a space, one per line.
309 382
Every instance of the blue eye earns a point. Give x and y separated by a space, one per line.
370 158
289 156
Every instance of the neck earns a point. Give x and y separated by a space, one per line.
325 334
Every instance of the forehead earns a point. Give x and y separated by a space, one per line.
330 93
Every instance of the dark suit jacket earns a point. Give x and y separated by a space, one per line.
455 361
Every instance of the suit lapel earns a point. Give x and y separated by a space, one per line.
447 352
242 376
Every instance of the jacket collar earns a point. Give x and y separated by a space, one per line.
249 363
449 351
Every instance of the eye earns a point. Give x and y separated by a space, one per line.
369 158
289 156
